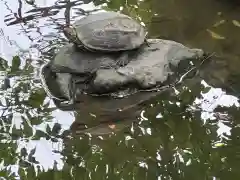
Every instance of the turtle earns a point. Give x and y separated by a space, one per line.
106 31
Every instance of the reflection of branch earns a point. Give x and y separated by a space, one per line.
15 14
184 75
67 13
39 12
73 3
20 9
30 17
159 21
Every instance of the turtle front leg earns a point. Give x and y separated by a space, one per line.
146 42
123 60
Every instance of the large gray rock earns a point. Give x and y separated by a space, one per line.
150 67
96 73
71 60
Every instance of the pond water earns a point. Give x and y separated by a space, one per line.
191 131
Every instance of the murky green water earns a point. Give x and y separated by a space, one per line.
190 132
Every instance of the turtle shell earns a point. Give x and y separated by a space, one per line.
109 31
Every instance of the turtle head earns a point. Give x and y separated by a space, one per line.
70 34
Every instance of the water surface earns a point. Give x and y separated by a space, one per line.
189 132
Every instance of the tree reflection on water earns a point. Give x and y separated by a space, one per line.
190 131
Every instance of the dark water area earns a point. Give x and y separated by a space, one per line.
190 131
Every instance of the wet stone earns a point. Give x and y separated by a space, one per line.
148 67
